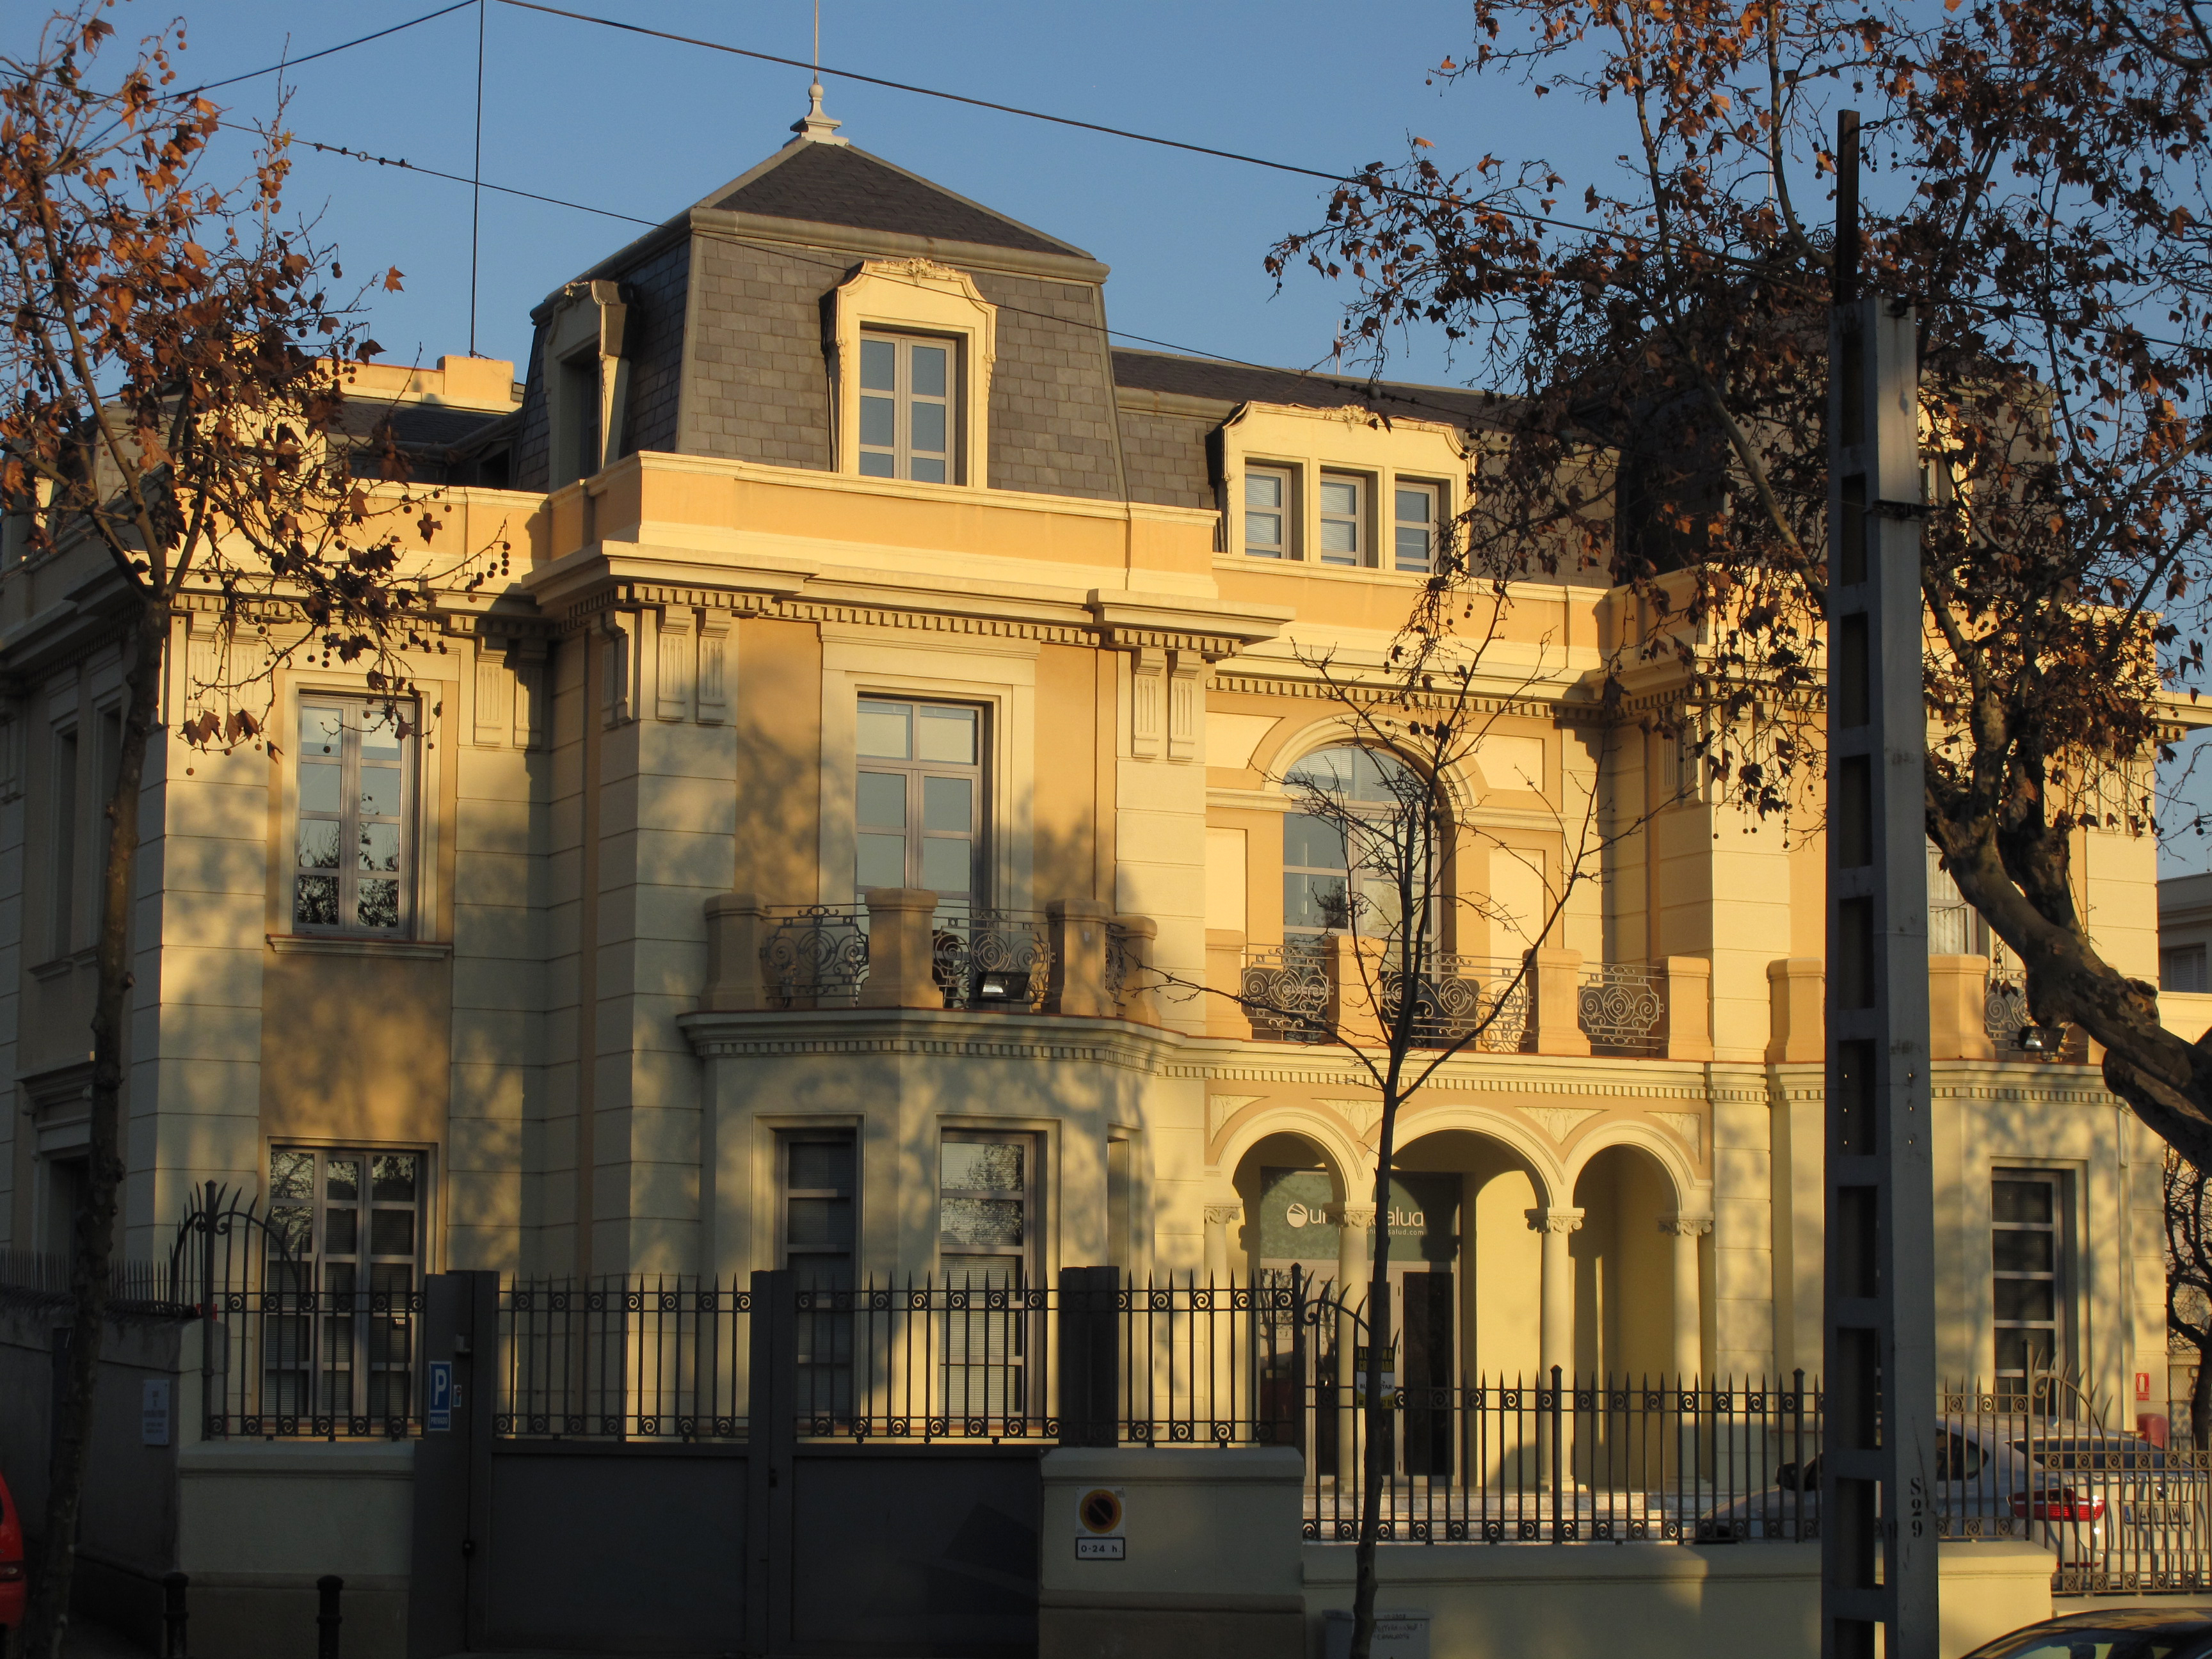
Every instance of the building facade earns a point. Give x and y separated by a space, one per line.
866 604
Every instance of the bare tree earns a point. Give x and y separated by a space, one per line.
2189 1282
2038 191
173 376
1375 978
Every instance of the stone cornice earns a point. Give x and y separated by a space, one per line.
1046 1039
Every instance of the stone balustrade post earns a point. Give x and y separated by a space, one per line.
1958 1008
1078 986
1554 983
1224 983
901 951
1797 988
1355 985
1689 1008
736 930
1140 996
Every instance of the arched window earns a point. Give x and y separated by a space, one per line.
1362 821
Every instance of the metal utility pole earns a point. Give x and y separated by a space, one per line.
1878 1466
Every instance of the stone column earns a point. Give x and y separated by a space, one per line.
1686 1231
1354 1261
1222 1221
1555 1342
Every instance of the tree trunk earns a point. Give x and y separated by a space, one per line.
47 1617
1374 1415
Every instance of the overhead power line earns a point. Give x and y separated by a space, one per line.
344 46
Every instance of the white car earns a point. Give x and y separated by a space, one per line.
2108 1505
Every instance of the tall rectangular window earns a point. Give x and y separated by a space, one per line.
1418 511
1268 512
2027 1259
987 1220
63 918
986 1204
1343 519
345 1254
906 409
918 800
351 843
819 1185
2181 969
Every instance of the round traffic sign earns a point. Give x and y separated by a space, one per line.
1100 1510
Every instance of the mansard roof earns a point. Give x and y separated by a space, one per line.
838 184
1240 383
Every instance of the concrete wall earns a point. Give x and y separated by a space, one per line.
258 1521
1731 1602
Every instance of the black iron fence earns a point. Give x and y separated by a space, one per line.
297 1349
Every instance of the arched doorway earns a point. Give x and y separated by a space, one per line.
1624 1288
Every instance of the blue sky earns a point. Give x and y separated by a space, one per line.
644 127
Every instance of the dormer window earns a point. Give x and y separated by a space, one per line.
911 374
907 427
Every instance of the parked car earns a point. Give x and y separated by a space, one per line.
11 1571
2102 1502
2120 1633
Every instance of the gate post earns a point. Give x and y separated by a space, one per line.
460 1323
1090 1357
772 1438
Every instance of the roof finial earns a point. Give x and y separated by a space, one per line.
814 127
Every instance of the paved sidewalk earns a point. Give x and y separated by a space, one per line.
90 1641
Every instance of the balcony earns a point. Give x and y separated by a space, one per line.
1545 1002
899 949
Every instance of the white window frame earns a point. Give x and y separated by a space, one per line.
1431 528
352 705
1286 547
1360 554
900 455
2061 1276
916 771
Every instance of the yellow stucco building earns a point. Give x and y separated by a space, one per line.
848 557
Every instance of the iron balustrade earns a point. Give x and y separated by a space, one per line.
1622 1008
1484 996
2005 1016
815 956
991 958
1284 990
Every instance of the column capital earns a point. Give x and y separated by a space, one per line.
1355 1215
1552 1218
1225 1215
1685 1226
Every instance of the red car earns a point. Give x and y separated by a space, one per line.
11 1570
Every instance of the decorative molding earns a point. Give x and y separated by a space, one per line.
674 668
1225 1215
1560 1122
1248 683
494 698
1554 1219
1689 1126
1362 1112
621 666
1361 1216
1186 699
527 660
344 944
1147 697
1686 1226
713 693
1219 1109
929 1033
